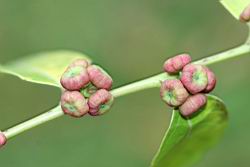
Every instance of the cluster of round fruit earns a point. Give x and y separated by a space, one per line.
187 92
86 89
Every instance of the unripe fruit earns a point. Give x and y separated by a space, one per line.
211 81
3 139
194 78
100 102
173 92
193 104
88 90
74 104
245 15
75 78
99 77
175 64
80 62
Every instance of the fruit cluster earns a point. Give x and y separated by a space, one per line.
187 92
86 89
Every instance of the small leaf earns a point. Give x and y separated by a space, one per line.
187 140
43 68
235 7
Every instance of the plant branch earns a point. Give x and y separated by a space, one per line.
151 82
38 120
147 83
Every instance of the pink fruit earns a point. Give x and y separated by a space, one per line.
211 81
245 15
100 102
80 62
99 77
75 78
173 92
175 64
3 139
194 78
193 104
74 104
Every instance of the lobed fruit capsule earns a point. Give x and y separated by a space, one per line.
75 78
193 104
100 102
74 104
173 92
211 81
245 15
99 77
3 139
80 62
194 78
175 64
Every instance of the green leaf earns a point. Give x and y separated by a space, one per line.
43 68
235 7
187 140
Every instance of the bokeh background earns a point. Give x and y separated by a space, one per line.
131 39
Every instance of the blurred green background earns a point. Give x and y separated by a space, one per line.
131 39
